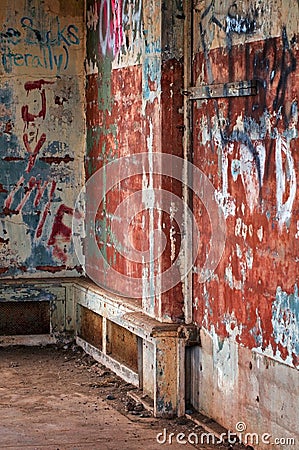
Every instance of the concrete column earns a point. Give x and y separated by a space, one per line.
169 376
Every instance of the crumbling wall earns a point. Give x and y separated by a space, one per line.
42 135
247 145
134 100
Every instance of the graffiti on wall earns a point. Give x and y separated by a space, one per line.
30 45
118 24
35 191
248 147
41 46
277 120
229 23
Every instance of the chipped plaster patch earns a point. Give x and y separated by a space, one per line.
225 358
260 233
285 320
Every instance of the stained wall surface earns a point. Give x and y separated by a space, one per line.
134 78
247 145
246 366
42 135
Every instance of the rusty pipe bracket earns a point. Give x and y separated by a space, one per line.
234 89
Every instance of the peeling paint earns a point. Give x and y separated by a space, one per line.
42 153
284 209
260 234
285 320
247 146
225 361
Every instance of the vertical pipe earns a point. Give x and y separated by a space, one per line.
187 152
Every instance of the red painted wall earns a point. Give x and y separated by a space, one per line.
134 106
247 147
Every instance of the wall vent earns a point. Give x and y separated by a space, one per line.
24 318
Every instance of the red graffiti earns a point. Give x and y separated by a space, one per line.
34 152
60 229
37 84
46 210
51 269
28 117
30 86
10 198
120 25
40 191
57 159
110 28
33 183
37 188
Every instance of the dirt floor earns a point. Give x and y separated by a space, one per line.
60 398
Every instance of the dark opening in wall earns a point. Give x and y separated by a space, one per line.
24 318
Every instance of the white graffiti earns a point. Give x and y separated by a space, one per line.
252 177
284 177
249 173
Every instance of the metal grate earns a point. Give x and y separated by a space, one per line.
24 318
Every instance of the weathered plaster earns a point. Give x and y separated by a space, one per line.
129 65
247 147
41 151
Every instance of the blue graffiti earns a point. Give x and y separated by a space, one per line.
55 37
46 60
50 47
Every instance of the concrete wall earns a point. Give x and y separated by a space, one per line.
248 148
42 135
134 78
246 367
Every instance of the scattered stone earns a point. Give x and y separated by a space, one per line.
129 404
110 397
145 414
135 413
139 407
13 364
182 421
100 372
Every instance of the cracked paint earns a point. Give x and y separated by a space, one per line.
42 153
247 148
285 322
130 81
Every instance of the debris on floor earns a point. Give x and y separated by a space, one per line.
59 398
